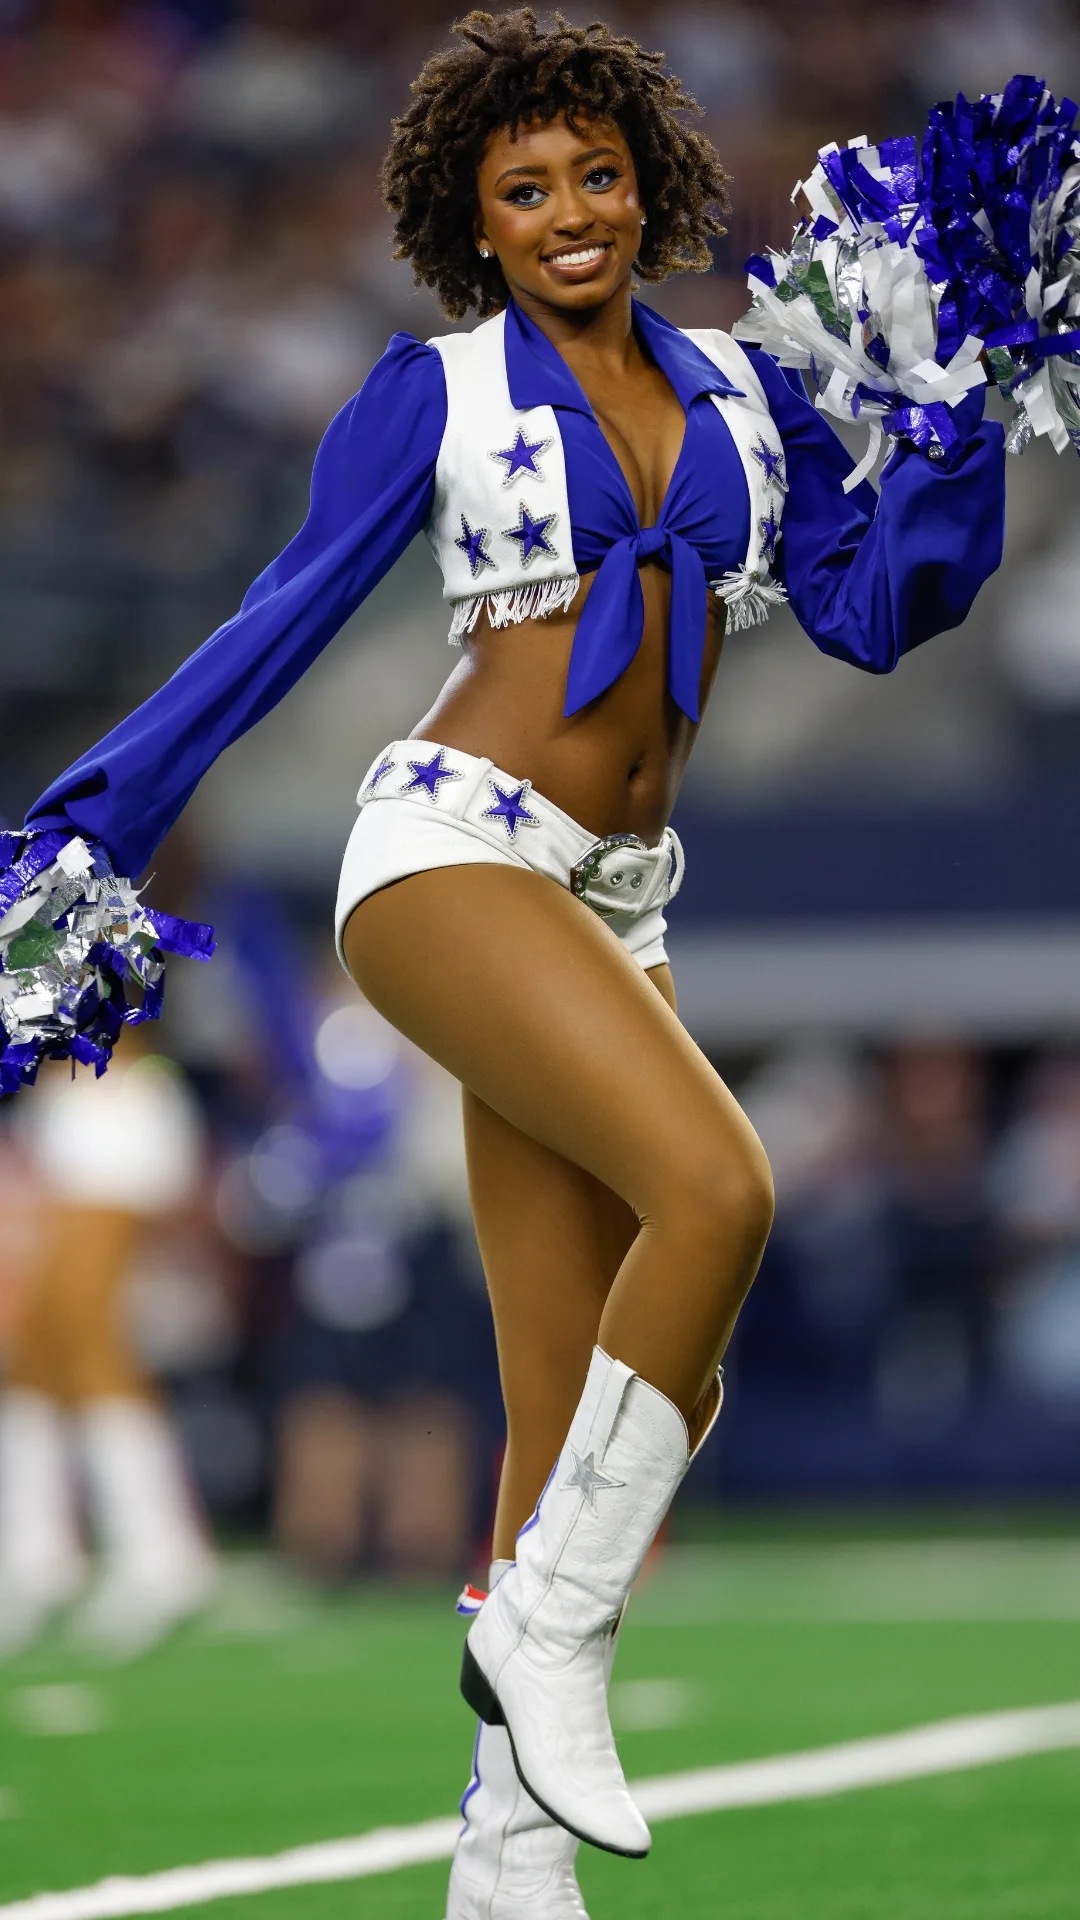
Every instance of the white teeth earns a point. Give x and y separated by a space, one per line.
575 259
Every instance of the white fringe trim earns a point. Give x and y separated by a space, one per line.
749 597
511 605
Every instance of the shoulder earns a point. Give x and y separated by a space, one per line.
409 370
475 348
769 383
783 386
722 349
401 404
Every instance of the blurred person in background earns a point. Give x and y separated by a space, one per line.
374 1345
1034 1183
872 1340
812 1330
376 1424
935 1346
621 1197
111 1163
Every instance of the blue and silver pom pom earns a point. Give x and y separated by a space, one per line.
917 259
80 956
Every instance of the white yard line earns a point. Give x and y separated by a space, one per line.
946 1746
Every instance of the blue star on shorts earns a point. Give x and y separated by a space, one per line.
472 546
531 533
384 767
427 775
510 808
773 463
522 457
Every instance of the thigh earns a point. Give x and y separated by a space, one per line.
524 995
71 1339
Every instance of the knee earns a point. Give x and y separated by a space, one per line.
722 1188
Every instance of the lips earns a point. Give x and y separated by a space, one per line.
581 256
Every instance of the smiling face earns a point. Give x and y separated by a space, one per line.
560 208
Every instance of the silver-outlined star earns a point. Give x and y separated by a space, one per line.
587 1480
531 533
522 457
771 462
472 546
427 775
769 531
510 808
384 767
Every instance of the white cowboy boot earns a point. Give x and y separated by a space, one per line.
512 1861
42 1564
158 1564
533 1659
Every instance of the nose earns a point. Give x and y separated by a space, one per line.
570 217
574 226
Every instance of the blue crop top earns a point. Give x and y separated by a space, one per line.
868 579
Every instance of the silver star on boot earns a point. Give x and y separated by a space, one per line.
587 1480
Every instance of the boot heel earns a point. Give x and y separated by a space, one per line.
477 1691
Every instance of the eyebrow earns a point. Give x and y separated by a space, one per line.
593 154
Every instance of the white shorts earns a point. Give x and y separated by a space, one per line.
424 806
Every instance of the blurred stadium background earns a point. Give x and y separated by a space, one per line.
878 942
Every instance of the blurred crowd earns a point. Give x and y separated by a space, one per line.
916 1323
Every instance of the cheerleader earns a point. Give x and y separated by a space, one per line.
604 494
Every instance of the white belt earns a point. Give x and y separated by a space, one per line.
618 874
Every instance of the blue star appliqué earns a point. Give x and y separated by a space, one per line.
472 546
427 775
510 808
384 767
773 463
769 529
522 457
531 533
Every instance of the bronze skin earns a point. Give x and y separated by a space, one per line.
551 191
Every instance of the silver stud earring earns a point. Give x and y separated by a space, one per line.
644 219
485 253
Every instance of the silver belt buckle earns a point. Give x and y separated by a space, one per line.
611 875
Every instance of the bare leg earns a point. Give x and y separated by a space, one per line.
531 1002
552 1238
324 1476
70 1341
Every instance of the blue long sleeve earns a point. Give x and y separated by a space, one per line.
371 492
871 577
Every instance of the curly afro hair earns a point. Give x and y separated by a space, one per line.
506 71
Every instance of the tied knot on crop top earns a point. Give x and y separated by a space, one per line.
612 621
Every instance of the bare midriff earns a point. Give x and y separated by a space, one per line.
614 767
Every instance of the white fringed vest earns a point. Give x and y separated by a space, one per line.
486 497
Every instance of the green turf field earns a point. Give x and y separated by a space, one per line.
284 1720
